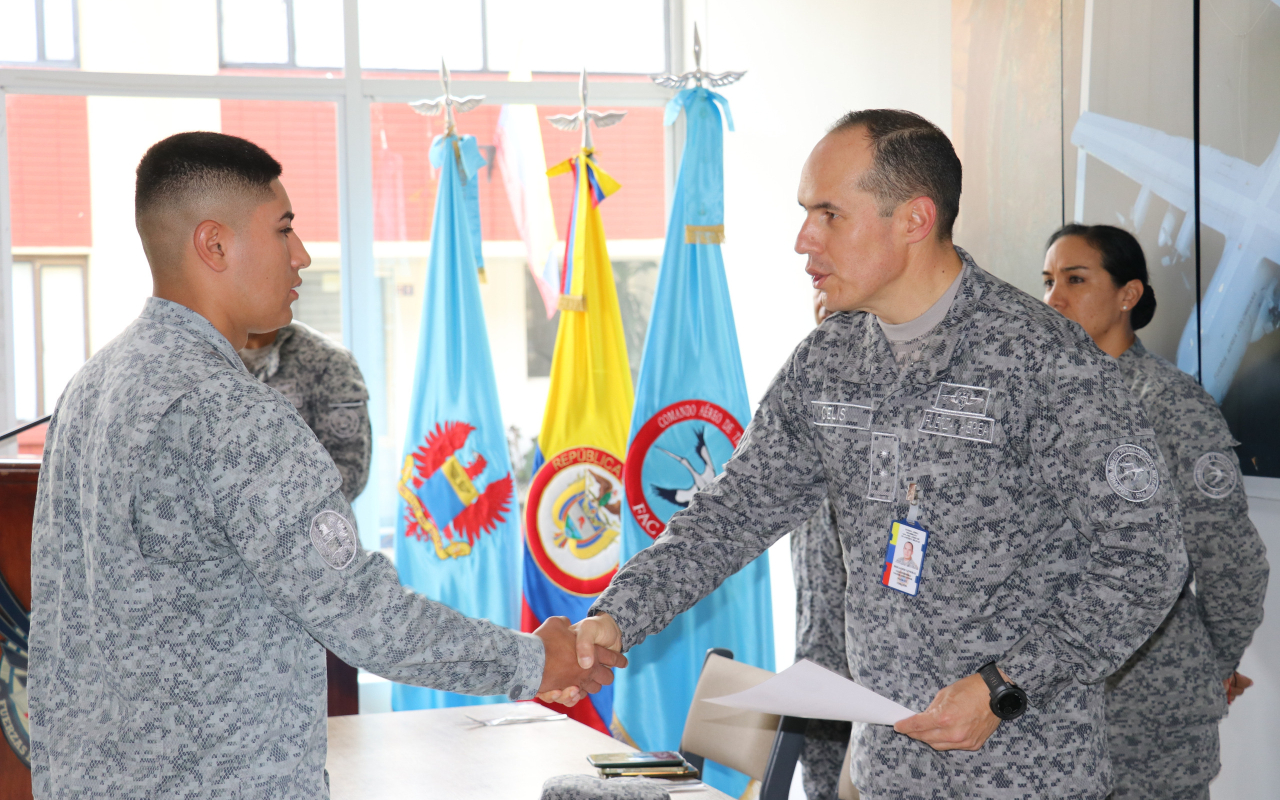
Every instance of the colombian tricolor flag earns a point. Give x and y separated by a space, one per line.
573 520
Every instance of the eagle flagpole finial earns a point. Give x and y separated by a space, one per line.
716 79
447 103
585 116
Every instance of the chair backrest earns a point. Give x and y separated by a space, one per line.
741 740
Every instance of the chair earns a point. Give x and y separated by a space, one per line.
763 746
847 791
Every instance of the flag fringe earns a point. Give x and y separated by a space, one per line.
704 234
572 302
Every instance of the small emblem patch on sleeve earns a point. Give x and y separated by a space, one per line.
1215 475
1132 473
334 538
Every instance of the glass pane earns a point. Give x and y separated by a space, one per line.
18 33
150 37
406 34
62 327
255 32
625 35
59 30
24 340
317 31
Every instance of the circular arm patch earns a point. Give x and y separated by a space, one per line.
1215 475
1132 473
334 538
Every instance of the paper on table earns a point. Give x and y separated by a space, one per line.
807 690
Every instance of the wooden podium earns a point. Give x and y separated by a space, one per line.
18 479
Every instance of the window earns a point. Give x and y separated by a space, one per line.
50 330
39 32
627 36
280 33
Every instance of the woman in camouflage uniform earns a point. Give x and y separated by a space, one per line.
1164 704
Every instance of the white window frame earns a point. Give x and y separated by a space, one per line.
362 317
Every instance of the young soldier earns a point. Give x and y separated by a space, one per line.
942 407
192 553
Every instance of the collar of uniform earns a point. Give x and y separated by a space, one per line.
272 363
872 361
176 315
1135 351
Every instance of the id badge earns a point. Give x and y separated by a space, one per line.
904 557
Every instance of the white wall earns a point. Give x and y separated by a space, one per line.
807 63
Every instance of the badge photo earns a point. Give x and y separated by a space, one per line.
904 557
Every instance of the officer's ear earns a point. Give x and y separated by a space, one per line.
919 216
211 239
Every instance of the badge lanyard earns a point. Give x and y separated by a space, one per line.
904 556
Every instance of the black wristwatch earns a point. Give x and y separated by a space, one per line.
1007 700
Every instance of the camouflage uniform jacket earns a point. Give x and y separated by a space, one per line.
1176 677
1054 548
192 557
324 383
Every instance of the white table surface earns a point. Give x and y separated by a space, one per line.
442 754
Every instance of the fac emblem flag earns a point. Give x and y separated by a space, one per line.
573 519
690 409
458 535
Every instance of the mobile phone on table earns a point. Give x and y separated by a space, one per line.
664 758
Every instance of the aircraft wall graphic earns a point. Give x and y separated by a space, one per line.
1238 199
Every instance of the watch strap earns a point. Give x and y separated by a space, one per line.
991 676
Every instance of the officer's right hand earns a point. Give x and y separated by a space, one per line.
599 642
567 678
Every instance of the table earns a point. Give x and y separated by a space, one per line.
442 754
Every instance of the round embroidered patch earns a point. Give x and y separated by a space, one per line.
334 538
343 422
1132 473
1215 475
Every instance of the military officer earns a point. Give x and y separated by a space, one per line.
192 552
324 383
943 407
1164 704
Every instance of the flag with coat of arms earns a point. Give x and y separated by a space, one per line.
690 410
458 535
573 517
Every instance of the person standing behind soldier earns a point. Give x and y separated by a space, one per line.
817 564
324 383
1164 704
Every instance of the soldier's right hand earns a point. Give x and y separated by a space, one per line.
567 678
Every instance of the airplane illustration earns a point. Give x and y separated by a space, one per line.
701 480
1237 199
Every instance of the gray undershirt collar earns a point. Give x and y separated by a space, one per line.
907 339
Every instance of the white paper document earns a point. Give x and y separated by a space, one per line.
807 690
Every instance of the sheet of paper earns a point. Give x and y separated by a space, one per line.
807 690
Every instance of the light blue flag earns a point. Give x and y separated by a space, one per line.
458 536
690 409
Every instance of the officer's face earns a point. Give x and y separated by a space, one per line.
267 255
1079 288
854 252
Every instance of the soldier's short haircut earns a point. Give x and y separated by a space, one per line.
192 166
911 157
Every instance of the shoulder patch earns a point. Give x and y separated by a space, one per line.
1215 475
334 538
1132 473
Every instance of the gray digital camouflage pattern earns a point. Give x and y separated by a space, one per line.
587 787
324 383
1150 761
817 564
192 557
1055 545
1175 679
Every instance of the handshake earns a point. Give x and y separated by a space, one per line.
579 658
